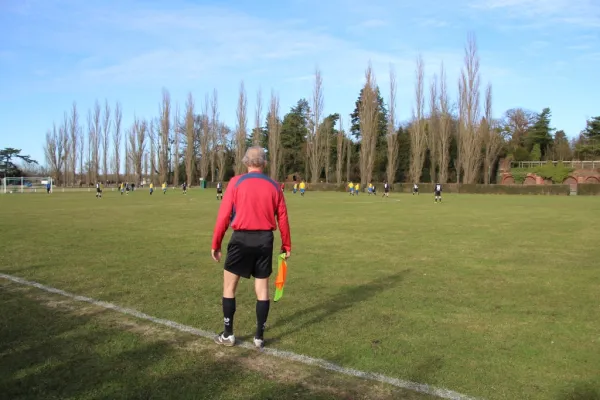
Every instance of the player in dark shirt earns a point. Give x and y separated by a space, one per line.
386 189
415 189
184 187
438 192
219 191
255 206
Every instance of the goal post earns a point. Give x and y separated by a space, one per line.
27 184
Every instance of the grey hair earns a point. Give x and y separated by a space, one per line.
255 157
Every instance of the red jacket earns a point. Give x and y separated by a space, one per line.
252 202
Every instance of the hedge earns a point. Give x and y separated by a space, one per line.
452 188
583 189
588 189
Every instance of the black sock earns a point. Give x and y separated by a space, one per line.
262 312
228 312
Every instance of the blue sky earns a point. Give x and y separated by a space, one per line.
536 54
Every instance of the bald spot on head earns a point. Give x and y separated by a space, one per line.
255 158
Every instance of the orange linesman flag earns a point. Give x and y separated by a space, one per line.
281 274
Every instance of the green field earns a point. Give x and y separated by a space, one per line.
491 296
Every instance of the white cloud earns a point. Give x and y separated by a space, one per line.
581 46
432 22
373 23
582 13
147 45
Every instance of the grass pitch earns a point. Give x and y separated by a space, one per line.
491 296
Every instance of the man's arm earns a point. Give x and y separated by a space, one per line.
283 223
223 218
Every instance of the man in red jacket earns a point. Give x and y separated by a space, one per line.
251 204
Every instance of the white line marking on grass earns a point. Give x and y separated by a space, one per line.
416 387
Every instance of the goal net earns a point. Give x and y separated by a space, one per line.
27 184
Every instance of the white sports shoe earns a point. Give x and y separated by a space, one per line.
225 341
259 343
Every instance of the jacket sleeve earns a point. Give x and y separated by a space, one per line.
224 217
283 223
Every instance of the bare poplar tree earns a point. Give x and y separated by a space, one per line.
66 145
133 151
315 140
445 129
306 158
222 134
205 140
90 155
141 128
257 119
165 121
105 139
434 129
97 140
274 137
368 111
74 133
348 158
392 134
176 133
81 149
189 134
418 138
340 152
127 157
153 141
146 165
53 151
117 141
491 136
240 132
469 140
327 147
217 160
213 133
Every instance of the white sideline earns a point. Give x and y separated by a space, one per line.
416 387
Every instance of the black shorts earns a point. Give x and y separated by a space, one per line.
250 253
438 193
386 190
98 190
219 191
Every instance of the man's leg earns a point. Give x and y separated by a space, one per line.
262 271
261 287
230 282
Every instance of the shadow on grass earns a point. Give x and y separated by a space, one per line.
344 300
581 391
426 370
49 353
25 269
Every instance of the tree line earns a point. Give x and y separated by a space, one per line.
444 141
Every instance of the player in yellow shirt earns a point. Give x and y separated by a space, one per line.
295 187
164 188
302 188
151 188
351 188
356 188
